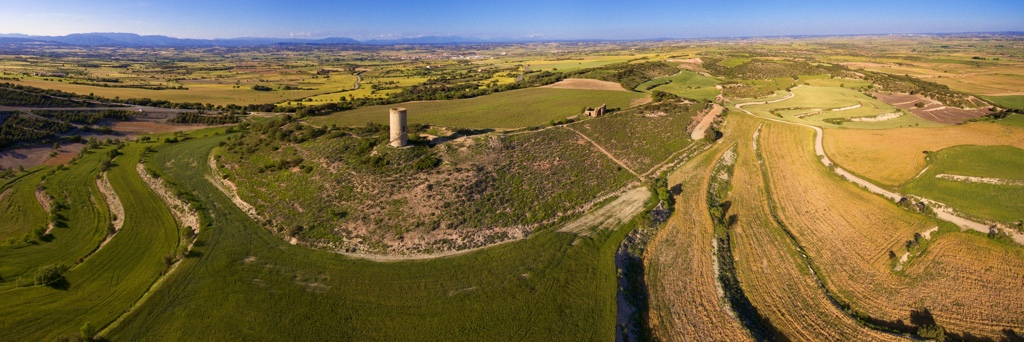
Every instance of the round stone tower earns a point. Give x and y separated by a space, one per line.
399 134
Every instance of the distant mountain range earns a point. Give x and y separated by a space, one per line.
135 40
101 39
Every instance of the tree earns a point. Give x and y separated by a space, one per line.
50 274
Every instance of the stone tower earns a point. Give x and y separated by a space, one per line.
399 133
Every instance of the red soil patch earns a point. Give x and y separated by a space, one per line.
932 110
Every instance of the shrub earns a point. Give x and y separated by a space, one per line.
50 274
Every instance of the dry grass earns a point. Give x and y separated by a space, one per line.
901 150
684 299
849 233
772 272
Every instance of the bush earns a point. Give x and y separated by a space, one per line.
88 331
50 274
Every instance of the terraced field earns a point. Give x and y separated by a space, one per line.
849 233
563 285
835 107
101 285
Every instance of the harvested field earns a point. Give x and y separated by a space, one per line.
774 274
586 84
932 110
849 233
901 149
681 272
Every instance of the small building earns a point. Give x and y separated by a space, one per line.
595 112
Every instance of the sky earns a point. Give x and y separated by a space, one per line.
543 19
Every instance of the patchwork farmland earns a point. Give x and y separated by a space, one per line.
841 188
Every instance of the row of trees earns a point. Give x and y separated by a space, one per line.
18 128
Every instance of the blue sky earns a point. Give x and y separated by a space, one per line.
637 19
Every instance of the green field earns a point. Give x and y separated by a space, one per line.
996 202
686 84
811 99
825 81
1012 102
19 210
510 109
1016 120
734 62
107 282
247 284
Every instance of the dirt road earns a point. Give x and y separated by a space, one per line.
698 133
942 211
610 156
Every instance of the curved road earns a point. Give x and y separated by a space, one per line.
942 211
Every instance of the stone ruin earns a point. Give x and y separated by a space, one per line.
595 112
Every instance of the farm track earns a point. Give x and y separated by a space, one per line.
698 132
851 248
610 156
943 211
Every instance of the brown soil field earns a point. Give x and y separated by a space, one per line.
894 156
586 84
933 110
849 233
684 300
774 275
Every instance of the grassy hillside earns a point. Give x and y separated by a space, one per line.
347 190
247 284
686 84
510 109
1012 102
643 137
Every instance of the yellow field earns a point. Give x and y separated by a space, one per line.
684 299
775 277
849 232
216 94
893 157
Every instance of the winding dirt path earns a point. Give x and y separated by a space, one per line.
942 211
610 156
698 132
